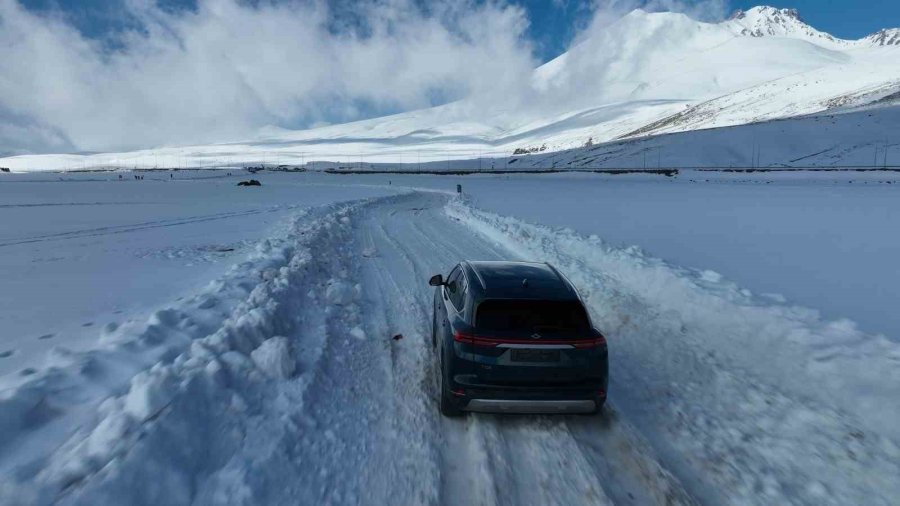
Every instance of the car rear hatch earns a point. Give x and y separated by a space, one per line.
533 343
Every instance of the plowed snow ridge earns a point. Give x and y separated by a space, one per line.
281 384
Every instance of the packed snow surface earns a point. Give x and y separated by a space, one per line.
280 383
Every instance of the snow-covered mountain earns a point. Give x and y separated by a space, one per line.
644 74
884 38
767 21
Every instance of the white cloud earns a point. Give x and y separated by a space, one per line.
230 68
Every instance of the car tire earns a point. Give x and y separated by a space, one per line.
448 408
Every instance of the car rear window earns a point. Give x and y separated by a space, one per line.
531 316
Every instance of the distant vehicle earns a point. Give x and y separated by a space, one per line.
515 337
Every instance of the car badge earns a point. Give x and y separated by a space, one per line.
535 336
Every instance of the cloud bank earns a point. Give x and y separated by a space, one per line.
230 67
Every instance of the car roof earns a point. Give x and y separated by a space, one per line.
517 280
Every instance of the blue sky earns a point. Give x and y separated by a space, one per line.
553 22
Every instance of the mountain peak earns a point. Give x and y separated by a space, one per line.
885 37
764 11
766 21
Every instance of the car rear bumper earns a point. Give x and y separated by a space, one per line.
530 406
580 397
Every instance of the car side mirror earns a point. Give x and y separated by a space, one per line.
436 280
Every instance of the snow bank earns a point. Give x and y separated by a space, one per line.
91 429
764 396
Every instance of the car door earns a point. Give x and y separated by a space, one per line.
451 295
457 294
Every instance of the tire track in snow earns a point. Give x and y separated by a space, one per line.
542 463
411 419
122 229
461 481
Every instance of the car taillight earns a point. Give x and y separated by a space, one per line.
462 338
590 343
475 340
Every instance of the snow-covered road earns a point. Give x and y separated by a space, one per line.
300 394
481 459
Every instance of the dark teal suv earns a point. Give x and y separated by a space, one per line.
514 337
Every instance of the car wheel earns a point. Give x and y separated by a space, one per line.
448 408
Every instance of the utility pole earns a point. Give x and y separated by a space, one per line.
753 155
